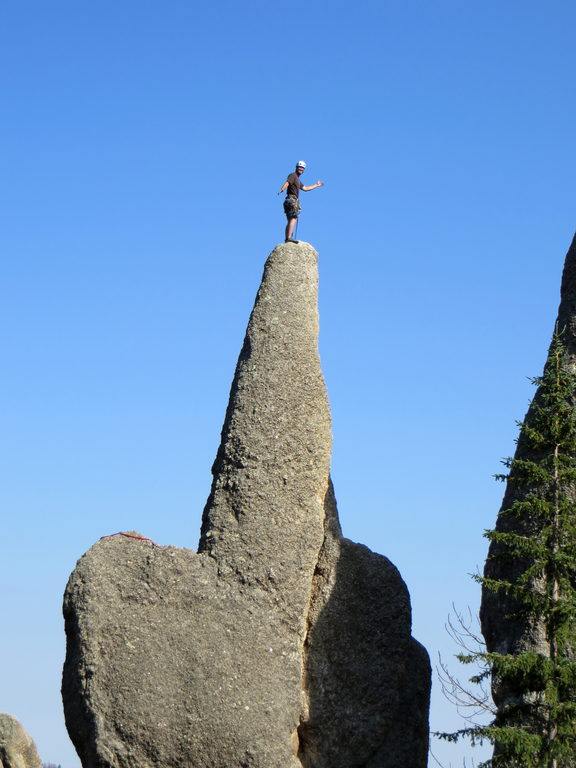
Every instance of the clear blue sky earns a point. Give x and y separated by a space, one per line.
142 146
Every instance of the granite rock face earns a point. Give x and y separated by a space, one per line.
279 643
504 629
367 681
17 748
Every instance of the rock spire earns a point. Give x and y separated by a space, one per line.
279 644
507 628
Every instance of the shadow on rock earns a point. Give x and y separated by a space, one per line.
367 679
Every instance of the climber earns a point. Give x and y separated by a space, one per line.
291 203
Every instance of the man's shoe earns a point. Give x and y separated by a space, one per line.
290 240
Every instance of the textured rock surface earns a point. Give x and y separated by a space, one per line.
279 644
504 632
17 748
367 680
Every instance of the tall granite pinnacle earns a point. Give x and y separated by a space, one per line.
279 644
264 518
506 628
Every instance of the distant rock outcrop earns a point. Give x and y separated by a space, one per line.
279 643
17 748
506 628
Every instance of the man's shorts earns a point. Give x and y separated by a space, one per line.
291 207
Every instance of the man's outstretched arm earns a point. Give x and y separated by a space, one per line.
283 187
314 186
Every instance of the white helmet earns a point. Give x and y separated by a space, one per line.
300 164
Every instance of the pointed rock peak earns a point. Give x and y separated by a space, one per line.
508 627
279 644
265 512
566 322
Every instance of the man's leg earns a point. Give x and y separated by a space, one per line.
290 228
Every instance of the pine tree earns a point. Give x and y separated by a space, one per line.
531 574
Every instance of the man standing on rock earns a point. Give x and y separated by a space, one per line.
291 203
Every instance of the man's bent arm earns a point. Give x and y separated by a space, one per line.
314 186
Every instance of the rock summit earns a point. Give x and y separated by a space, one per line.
279 644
